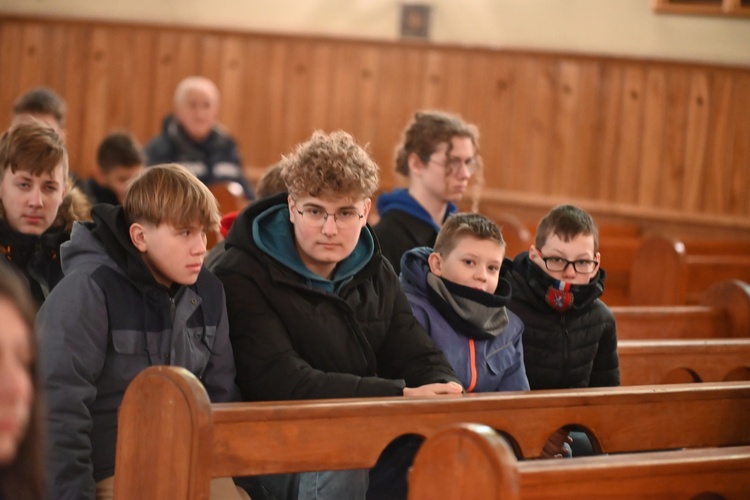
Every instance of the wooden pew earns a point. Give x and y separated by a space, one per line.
473 461
674 272
724 313
682 361
171 440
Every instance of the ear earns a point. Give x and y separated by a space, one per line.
290 202
138 237
436 263
415 163
533 252
368 206
598 258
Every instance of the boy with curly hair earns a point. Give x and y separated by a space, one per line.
315 311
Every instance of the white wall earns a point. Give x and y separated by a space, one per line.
617 27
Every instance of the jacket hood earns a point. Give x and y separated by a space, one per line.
265 227
401 200
471 312
106 240
531 281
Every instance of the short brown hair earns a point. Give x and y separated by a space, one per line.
566 222
330 165
170 193
466 224
427 131
41 100
32 147
119 149
271 182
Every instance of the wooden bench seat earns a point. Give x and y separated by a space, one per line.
724 313
172 439
669 271
473 461
682 361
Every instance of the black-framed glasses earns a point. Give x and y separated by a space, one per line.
453 165
315 217
558 264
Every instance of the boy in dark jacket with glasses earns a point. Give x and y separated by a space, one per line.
315 311
570 336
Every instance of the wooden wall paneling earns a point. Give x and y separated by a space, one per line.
611 84
674 137
628 161
210 47
541 81
654 123
345 87
695 142
254 136
31 69
455 79
144 122
739 141
489 106
75 92
717 169
401 67
433 79
297 119
520 140
320 81
55 47
366 130
166 78
584 142
231 81
569 142
11 36
274 142
96 102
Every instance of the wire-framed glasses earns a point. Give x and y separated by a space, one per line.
316 217
558 264
454 164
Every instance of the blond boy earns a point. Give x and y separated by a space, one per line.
134 295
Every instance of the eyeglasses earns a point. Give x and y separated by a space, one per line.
315 217
558 264
454 165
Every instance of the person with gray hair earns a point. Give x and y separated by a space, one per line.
193 137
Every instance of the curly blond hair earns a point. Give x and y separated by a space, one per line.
330 165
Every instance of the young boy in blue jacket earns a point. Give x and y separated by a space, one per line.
456 293
135 294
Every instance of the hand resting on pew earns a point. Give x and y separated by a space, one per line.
434 389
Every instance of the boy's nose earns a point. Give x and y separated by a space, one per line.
35 198
329 225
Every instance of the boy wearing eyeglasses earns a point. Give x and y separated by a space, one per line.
439 155
314 309
570 337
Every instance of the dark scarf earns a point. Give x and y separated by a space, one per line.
470 312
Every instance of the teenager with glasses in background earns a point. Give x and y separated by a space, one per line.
439 155
314 309
570 336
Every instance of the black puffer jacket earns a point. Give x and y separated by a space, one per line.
295 341
577 348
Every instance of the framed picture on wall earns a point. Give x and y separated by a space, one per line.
415 21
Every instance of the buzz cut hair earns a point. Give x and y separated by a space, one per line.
461 225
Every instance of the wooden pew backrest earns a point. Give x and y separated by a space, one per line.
166 409
725 313
668 271
473 461
645 362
